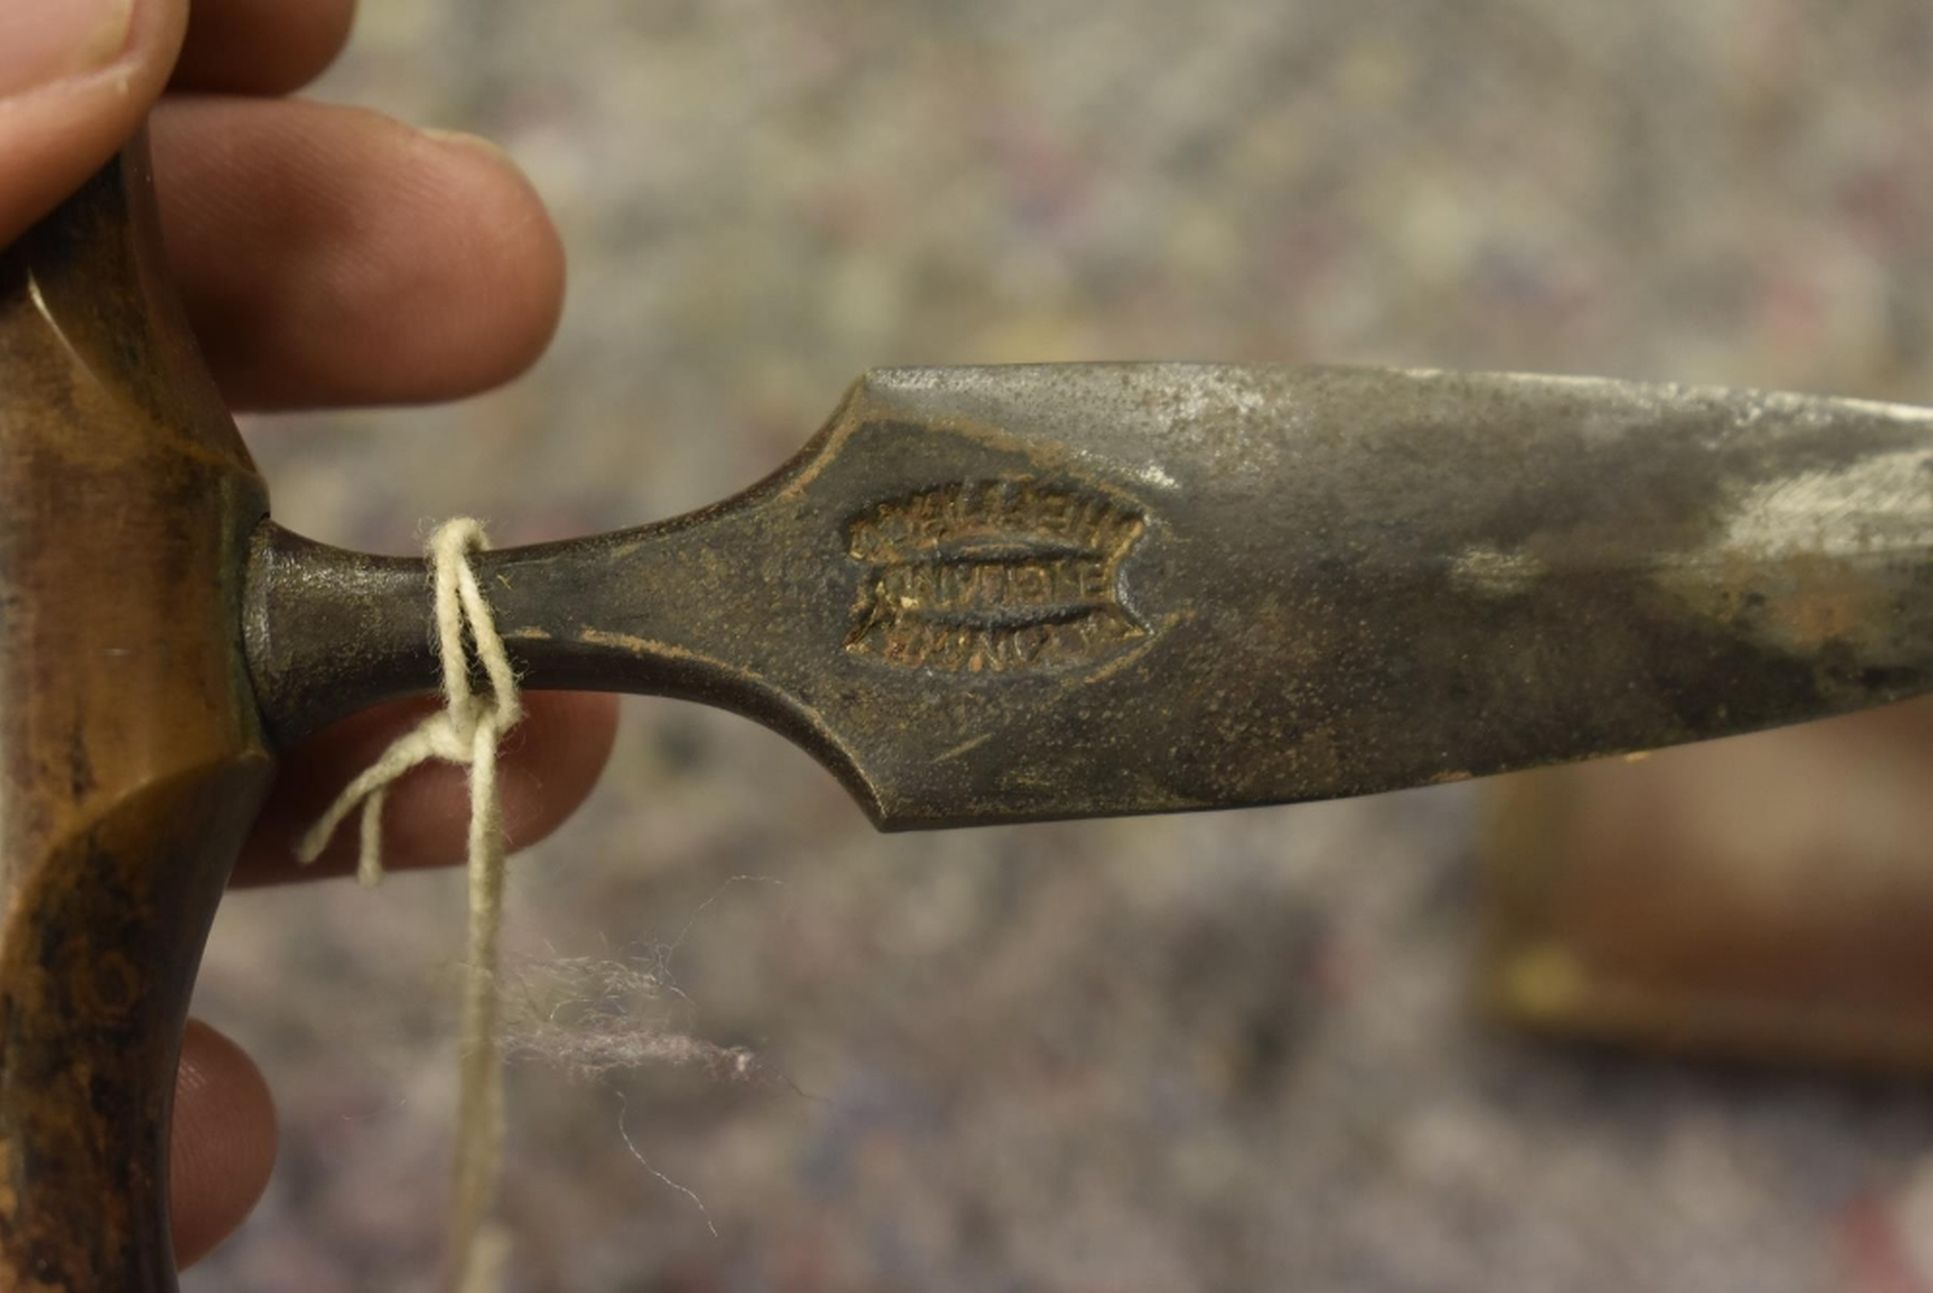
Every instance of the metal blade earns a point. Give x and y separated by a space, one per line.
990 594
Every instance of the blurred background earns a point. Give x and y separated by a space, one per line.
1233 1052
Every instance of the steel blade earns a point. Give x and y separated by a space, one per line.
991 594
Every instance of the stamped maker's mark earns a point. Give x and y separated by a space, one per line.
994 576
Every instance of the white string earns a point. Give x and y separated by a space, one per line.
466 731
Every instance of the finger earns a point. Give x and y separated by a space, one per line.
223 1143
261 46
550 762
332 256
76 77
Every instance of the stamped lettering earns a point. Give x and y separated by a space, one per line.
994 576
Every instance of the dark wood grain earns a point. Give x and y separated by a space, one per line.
131 758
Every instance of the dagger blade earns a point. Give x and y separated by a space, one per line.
1014 593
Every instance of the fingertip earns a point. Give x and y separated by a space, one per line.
68 116
223 1141
334 256
261 46
495 217
551 765
551 762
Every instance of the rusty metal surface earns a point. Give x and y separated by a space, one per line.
1012 593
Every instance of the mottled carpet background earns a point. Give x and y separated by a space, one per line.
1218 1053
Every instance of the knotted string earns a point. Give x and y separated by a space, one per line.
466 731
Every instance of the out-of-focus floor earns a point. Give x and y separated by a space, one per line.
1219 1052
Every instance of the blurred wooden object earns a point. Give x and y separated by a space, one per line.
1767 897
131 755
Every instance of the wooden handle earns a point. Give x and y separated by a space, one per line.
131 756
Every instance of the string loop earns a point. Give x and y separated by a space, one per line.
466 731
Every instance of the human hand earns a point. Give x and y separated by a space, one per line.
327 256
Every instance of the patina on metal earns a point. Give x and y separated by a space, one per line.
978 595
1001 594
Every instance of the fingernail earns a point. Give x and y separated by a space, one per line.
43 41
464 140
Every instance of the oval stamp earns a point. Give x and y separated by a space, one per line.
994 576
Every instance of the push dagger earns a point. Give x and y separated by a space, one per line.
977 595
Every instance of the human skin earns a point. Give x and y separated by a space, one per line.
328 257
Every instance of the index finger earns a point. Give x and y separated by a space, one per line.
550 762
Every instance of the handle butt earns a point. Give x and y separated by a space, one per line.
131 754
